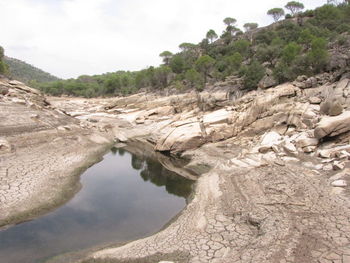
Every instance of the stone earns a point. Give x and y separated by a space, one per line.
268 140
339 183
216 117
267 82
289 148
184 137
309 149
301 78
342 84
338 166
315 100
120 137
335 109
324 153
96 138
327 167
304 141
3 90
332 126
140 120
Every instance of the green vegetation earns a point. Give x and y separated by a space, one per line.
276 13
295 46
26 73
3 66
294 7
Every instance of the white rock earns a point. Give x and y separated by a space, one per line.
289 147
268 140
338 166
339 183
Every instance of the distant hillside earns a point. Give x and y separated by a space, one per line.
27 73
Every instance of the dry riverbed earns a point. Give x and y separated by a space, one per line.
273 168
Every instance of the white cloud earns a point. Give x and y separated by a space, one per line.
69 38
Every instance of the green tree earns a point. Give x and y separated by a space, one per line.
290 52
177 64
211 35
294 7
162 76
187 46
233 63
194 79
327 16
204 64
306 37
250 26
166 56
252 74
3 66
318 54
229 21
276 13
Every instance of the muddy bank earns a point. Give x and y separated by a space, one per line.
42 153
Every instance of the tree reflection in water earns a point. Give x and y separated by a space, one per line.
153 171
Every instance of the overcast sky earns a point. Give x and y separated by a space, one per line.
69 38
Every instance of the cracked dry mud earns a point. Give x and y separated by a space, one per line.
262 214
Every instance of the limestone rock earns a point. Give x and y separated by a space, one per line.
332 126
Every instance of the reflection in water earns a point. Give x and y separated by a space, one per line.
157 174
123 197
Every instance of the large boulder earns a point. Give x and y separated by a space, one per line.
181 138
332 126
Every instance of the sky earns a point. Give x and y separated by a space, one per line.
69 38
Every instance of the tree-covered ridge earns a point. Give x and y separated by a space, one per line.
302 44
27 73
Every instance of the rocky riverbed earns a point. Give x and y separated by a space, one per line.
271 166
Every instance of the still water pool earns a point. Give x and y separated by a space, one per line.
123 197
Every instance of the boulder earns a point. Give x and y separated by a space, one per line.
331 107
267 82
335 109
181 138
332 126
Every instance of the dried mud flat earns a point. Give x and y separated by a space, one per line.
274 171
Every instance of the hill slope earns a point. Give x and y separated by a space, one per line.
27 73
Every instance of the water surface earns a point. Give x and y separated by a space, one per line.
124 197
